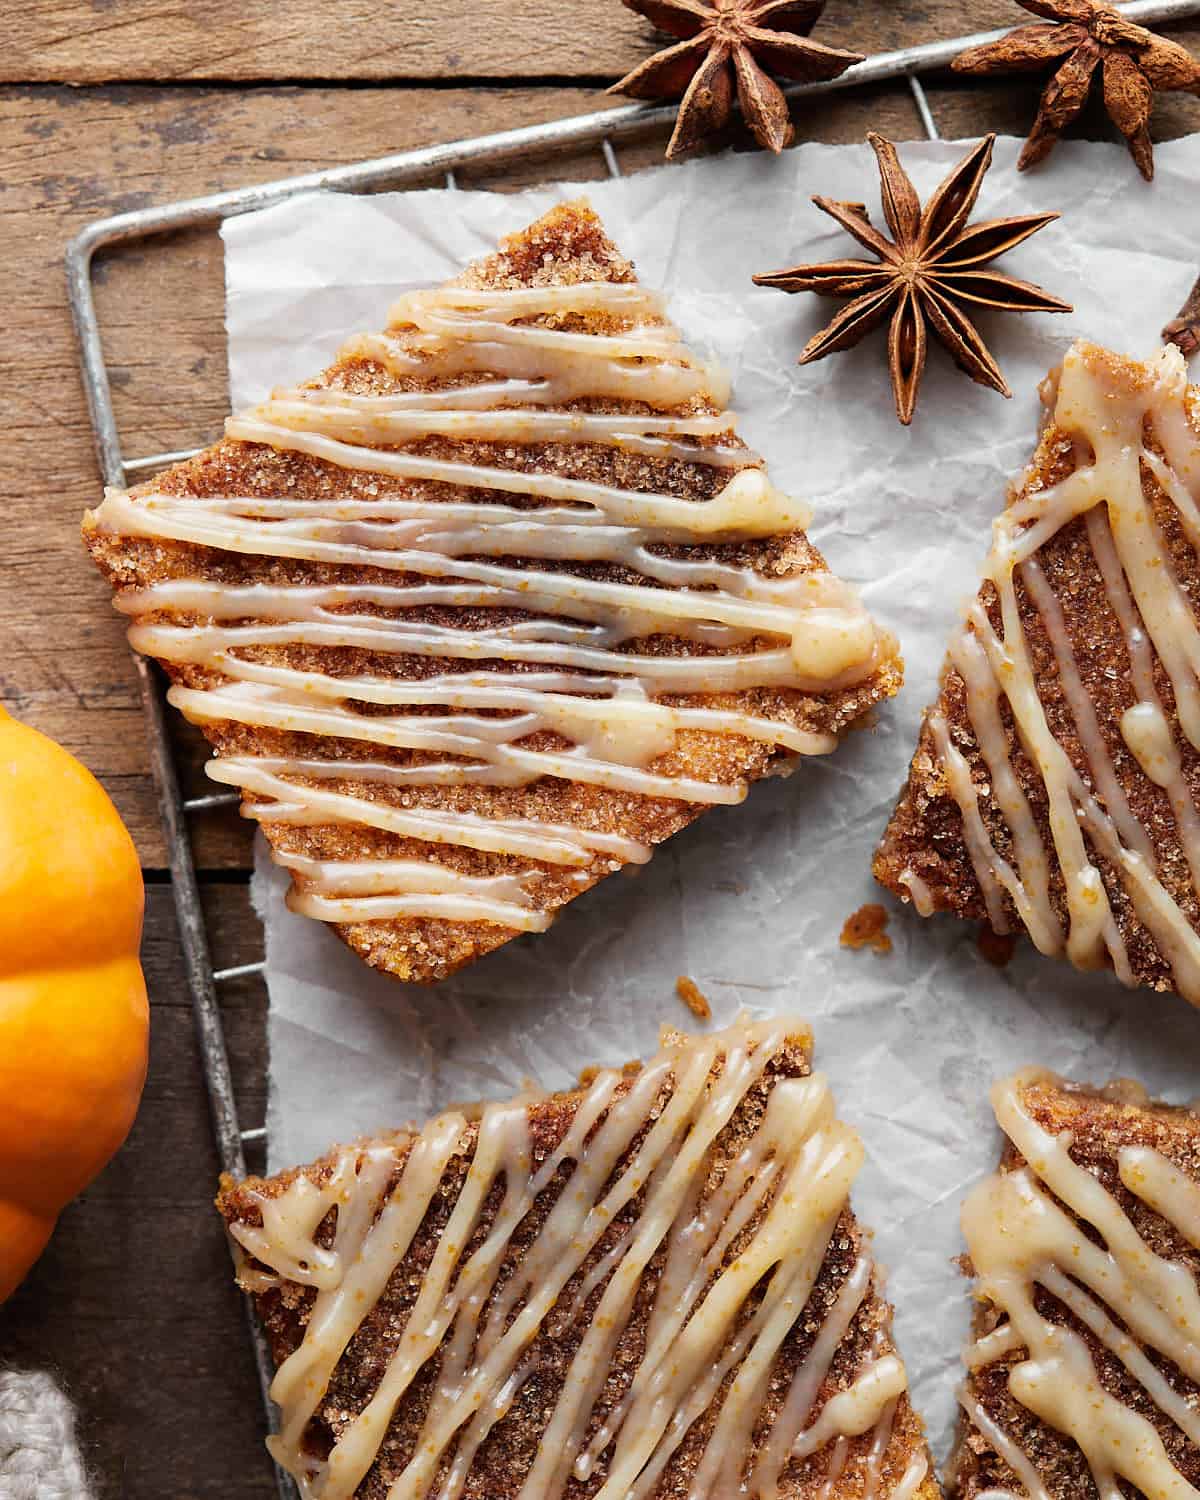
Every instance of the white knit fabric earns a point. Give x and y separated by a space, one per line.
39 1457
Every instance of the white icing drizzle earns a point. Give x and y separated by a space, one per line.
919 892
554 843
570 667
1012 1455
1163 766
780 1201
387 887
912 1478
816 1367
1108 418
1169 1192
837 1465
372 420
858 1408
1019 1236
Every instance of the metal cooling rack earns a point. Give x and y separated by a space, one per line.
602 130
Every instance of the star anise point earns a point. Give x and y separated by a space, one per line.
727 49
931 269
1184 328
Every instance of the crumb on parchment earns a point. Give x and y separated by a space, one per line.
692 996
865 928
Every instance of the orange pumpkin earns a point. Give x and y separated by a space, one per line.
73 1013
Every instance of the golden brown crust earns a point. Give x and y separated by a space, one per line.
567 245
505 1458
924 836
1100 1123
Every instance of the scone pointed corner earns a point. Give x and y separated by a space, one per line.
922 856
1055 781
492 607
567 245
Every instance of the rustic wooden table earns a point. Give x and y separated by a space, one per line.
108 106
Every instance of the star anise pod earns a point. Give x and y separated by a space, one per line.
926 274
1084 35
730 46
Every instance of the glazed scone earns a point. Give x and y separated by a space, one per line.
651 1287
1054 787
492 607
1083 1382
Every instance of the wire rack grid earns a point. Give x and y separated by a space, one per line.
602 130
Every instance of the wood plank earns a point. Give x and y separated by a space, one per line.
133 1307
89 41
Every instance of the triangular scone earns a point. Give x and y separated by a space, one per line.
1056 779
652 1287
492 607
1083 1381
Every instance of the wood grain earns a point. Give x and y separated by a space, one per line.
97 41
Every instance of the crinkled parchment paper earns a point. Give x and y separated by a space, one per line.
750 901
